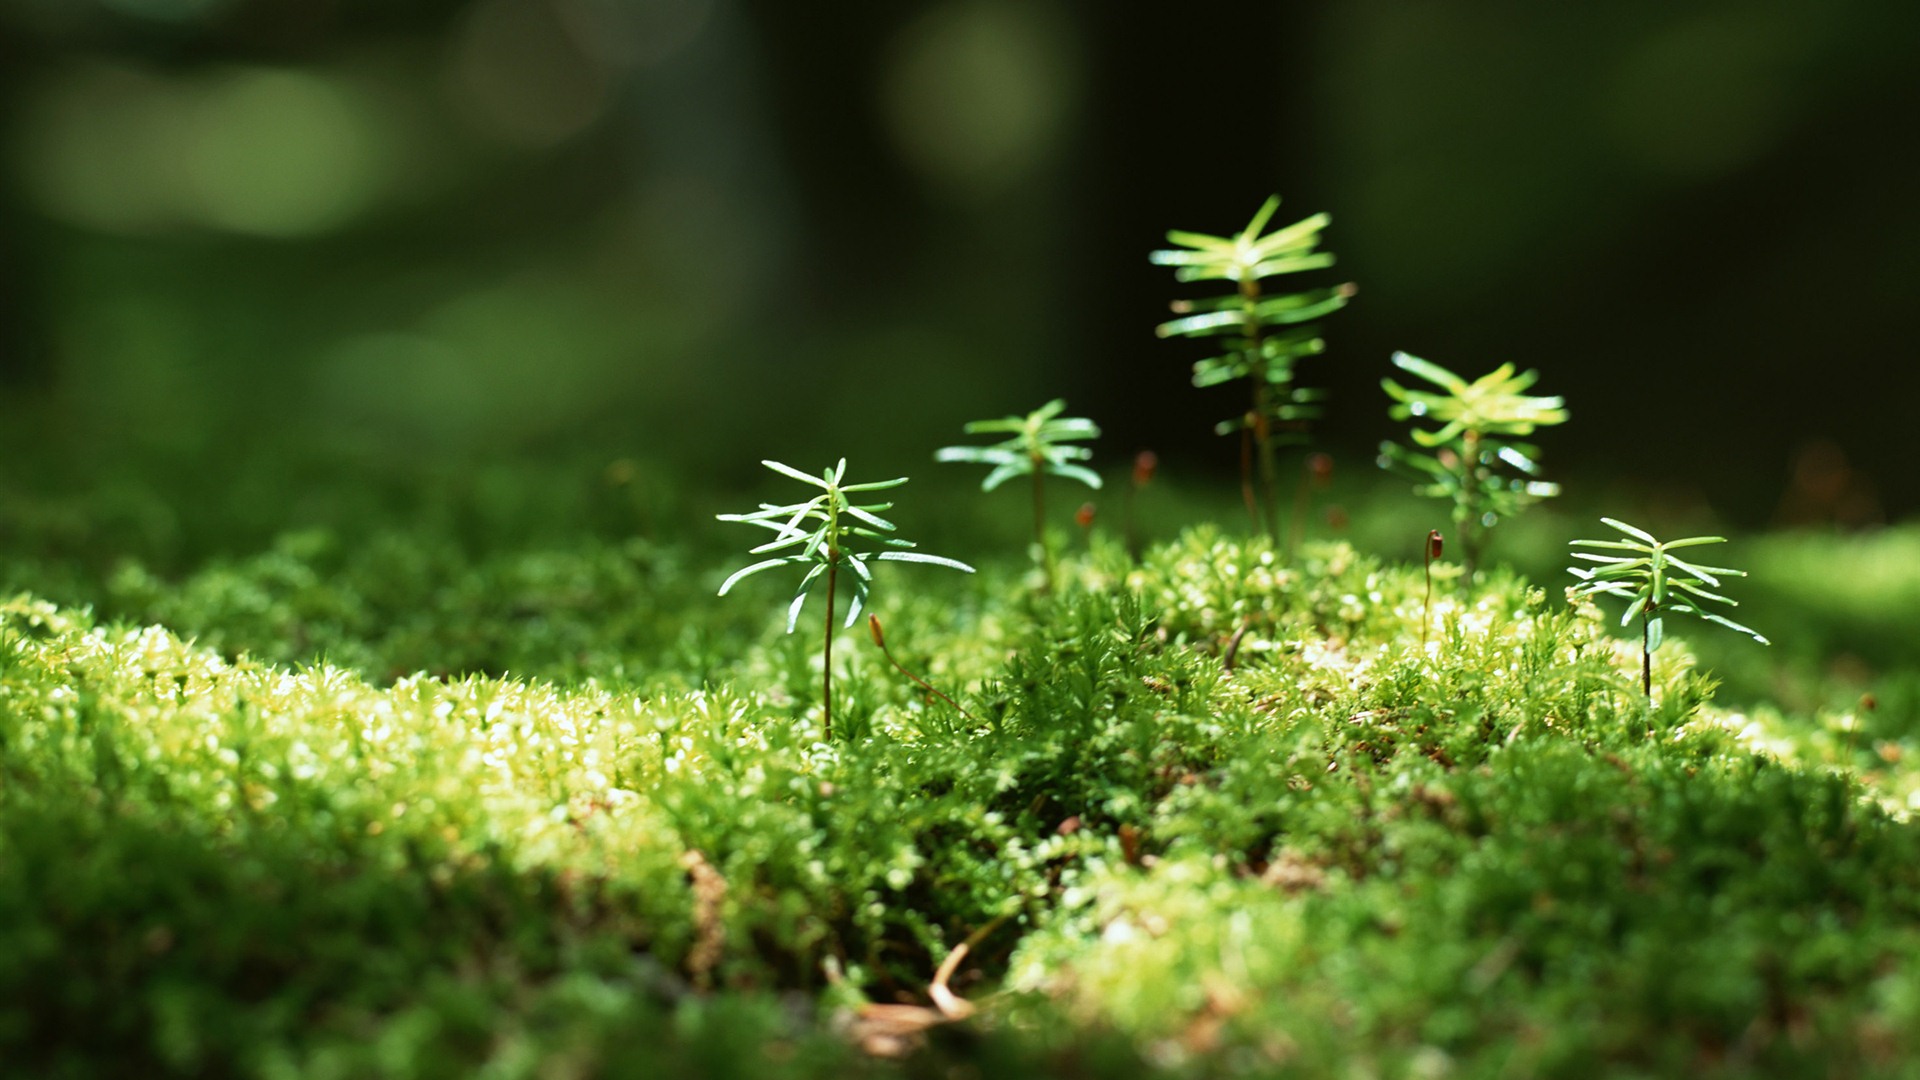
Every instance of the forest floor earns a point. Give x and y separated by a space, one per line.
455 797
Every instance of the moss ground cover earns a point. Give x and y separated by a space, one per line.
425 801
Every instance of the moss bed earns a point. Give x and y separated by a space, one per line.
398 805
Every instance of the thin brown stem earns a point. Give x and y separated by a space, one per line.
1040 525
1470 527
1232 653
1144 464
826 656
1257 417
1302 502
1853 726
1316 471
873 624
1246 475
1269 483
1132 529
1646 653
952 1006
1434 543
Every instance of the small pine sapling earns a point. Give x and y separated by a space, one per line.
831 533
1265 336
1467 459
1037 446
1655 582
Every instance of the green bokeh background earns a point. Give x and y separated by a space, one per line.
702 232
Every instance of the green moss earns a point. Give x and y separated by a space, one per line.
604 833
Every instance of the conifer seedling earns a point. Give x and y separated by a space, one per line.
1266 335
1474 457
1038 445
831 532
1655 582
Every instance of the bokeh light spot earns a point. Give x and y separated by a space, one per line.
519 74
1701 98
281 154
977 92
94 149
515 359
633 33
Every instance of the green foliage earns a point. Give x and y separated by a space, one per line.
1477 462
1847 670
1654 581
828 529
1247 318
1492 405
207 862
1037 443
1265 335
406 601
1344 854
1037 446
1543 915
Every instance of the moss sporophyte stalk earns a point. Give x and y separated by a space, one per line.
831 533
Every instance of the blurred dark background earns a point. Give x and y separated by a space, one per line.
702 232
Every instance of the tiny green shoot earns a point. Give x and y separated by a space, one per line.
1474 447
1037 445
1655 582
830 532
